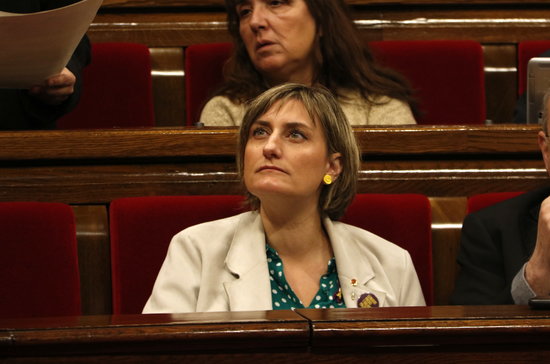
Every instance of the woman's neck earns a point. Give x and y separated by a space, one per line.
294 231
301 76
300 240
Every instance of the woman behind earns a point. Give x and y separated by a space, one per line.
299 162
309 42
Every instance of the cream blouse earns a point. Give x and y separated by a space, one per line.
221 111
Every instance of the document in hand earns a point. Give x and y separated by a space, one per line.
36 46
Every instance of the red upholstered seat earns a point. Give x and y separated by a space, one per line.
141 230
482 200
447 75
203 74
39 273
142 227
526 51
404 219
116 91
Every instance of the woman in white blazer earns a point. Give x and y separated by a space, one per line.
299 161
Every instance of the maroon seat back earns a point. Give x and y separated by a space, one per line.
116 91
203 74
447 75
141 230
403 219
39 273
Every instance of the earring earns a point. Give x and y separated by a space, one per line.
327 179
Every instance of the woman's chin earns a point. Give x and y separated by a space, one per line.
271 190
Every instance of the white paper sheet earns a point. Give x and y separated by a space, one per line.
36 46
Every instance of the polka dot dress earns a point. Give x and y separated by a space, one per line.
284 298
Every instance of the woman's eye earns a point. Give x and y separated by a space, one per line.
296 134
259 132
243 11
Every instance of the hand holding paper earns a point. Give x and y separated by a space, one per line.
37 46
55 89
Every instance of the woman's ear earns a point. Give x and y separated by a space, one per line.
334 167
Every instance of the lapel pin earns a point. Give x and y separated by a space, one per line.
367 300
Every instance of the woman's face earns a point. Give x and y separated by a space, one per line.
280 38
286 154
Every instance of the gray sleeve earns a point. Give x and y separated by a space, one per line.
521 291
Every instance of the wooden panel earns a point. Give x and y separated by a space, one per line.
168 86
447 216
158 29
500 81
487 25
406 142
431 335
220 3
488 334
212 336
94 258
87 167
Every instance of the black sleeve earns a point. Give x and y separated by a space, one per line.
482 276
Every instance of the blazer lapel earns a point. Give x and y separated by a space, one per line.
359 289
247 262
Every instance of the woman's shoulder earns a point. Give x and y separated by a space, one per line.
215 228
222 111
390 111
378 110
367 239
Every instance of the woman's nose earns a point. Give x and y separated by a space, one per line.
272 147
258 18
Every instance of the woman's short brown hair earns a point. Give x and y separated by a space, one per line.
322 108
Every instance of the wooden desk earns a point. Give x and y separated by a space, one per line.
91 167
444 334
140 338
414 334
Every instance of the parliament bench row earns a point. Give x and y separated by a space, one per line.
40 262
168 28
448 77
88 170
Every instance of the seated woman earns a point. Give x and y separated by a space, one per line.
299 161
309 42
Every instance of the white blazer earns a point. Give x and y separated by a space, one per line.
222 266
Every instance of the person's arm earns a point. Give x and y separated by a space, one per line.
521 291
178 283
537 269
220 111
389 112
482 277
411 290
